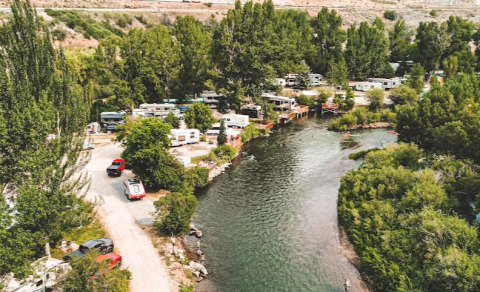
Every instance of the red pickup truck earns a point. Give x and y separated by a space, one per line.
118 165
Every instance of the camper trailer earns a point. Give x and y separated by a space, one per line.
213 133
316 79
290 79
236 121
210 97
93 128
159 110
184 136
280 81
366 86
252 110
282 103
138 113
48 271
112 117
387 83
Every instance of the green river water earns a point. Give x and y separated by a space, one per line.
270 222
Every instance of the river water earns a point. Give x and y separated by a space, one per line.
270 222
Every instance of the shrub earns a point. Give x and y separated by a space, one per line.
305 100
250 132
361 154
390 15
375 97
344 123
59 34
174 213
433 13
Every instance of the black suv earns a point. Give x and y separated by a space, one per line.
103 245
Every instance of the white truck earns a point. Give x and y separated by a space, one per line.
366 86
184 136
236 121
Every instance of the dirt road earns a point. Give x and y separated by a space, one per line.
122 218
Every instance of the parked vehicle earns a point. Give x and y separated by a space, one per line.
117 166
316 79
290 79
210 97
112 117
47 272
112 128
88 146
103 245
387 83
252 110
134 189
236 121
93 128
159 110
112 261
184 136
281 103
366 86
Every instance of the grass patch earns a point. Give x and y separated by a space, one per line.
186 288
361 154
57 253
197 159
80 235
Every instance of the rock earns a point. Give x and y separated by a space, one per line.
197 274
198 233
192 227
199 279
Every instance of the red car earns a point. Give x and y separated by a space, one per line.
117 166
113 261
134 189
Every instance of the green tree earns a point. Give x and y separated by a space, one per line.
337 74
390 15
199 116
460 31
450 67
173 120
328 40
349 99
403 95
431 41
400 38
375 98
222 135
106 279
174 213
416 80
303 80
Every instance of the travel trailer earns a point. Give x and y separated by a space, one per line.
184 136
387 83
93 128
112 117
236 121
252 110
138 113
366 86
316 79
210 97
282 103
213 133
290 79
280 81
159 110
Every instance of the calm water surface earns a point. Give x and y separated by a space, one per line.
270 222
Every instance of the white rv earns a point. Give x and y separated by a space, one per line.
93 128
184 136
282 103
280 81
366 86
290 79
252 110
316 79
112 117
213 133
210 97
386 83
236 121
48 271
138 113
159 110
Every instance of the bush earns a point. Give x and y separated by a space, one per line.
250 132
361 154
433 13
142 19
173 120
123 20
305 100
375 97
59 34
344 123
390 15
174 213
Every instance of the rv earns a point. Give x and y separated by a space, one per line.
112 117
191 100
386 83
93 128
282 103
213 133
159 110
236 121
184 136
138 113
290 79
316 79
366 86
210 97
251 110
280 81
48 271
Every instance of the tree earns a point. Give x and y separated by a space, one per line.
431 41
404 95
199 116
328 40
222 136
460 31
375 97
79 278
416 80
337 74
194 56
173 120
303 80
390 15
349 99
400 38
174 213
450 67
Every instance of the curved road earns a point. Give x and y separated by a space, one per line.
122 219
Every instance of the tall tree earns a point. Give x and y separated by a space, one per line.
416 80
328 40
222 135
400 38
431 41
303 80
461 34
450 67
199 116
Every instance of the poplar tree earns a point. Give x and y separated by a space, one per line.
43 111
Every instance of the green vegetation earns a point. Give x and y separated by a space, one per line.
251 132
375 98
174 213
85 24
80 235
390 15
222 135
199 116
403 95
172 120
222 154
303 80
362 116
416 80
433 13
187 288
361 154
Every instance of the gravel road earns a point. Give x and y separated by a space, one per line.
122 220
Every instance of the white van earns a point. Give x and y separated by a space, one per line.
184 136
366 86
134 189
236 121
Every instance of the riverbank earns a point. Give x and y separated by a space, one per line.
377 125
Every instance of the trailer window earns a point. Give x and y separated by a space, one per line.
136 189
385 83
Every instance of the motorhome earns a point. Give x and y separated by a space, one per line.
366 86
252 110
236 121
138 113
93 128
184 136
213 133
290 79
112 117
210 97
159 110
281 103
280 81
47 272
176 101
386 83
316 79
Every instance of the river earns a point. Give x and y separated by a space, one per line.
270 222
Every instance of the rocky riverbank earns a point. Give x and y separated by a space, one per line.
377 125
